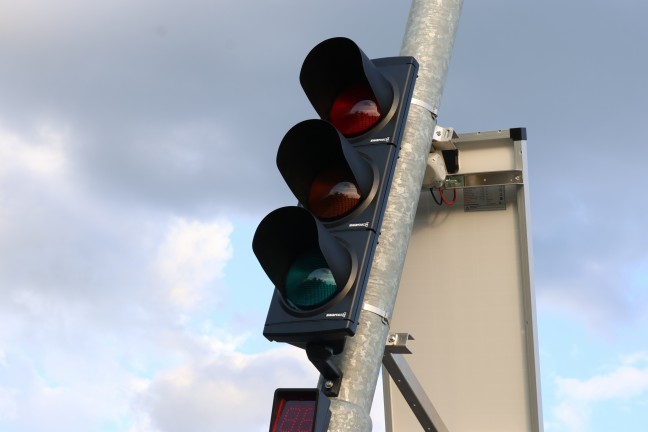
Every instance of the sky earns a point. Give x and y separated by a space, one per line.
137 147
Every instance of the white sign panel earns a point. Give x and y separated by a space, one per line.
466 297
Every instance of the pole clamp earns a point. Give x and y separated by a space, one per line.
432 109
383 314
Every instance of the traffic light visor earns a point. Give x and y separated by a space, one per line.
308 265
327 175
345 87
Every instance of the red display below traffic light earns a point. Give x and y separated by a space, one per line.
300 410
295 416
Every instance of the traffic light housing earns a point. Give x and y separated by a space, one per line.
339 167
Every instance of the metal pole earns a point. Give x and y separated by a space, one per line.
429 37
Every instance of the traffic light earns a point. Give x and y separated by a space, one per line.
318 254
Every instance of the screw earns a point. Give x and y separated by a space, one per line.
392 338
328 384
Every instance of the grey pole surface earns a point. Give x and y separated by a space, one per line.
429 37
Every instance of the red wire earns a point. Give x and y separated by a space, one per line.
454 196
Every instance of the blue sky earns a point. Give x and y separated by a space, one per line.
137 146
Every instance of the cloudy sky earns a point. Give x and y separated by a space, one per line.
137 145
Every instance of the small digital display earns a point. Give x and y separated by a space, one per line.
295 416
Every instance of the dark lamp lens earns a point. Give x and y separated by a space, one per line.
295 416
309 282
333 194
355 110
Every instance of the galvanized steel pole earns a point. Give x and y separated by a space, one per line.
429 38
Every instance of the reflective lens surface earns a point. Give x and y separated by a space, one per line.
309 282
355 110
333 194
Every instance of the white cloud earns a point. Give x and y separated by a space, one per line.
94 293
230 391
622 383
628 381
606 293
42 156
107 314
192 255
8 406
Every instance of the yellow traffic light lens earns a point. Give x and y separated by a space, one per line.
355 110
333 194
309 282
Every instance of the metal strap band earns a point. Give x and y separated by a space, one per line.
384 315
425 105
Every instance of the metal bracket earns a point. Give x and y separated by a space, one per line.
397 343
320 356
443 144
427 106
409 386
383 314
442 138
495 178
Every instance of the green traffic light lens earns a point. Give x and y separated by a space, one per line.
309 282
333 194
355 110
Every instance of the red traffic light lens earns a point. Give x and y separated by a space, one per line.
309 282
333 194
355 110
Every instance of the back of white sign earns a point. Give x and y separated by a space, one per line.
467 298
